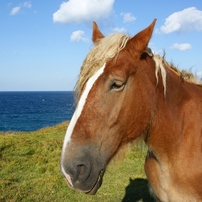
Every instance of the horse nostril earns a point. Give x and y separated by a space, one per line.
76 173
83 172
81 169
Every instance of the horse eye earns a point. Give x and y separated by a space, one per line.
117 85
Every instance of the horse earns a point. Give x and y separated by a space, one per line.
125 92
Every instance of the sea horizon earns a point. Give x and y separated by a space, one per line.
33 110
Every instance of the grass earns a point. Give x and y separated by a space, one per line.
29 171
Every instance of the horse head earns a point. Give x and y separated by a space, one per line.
113 107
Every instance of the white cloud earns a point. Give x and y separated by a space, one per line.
117 29
128 17
78 11
181 47
78 36
27 4
183 21
15 10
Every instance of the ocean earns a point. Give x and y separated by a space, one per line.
30 111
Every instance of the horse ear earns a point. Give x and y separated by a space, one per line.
140 41
97 34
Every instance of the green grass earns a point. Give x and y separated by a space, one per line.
29 171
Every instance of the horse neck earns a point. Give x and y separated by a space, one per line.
168 121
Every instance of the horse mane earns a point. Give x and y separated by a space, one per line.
108 47
162 64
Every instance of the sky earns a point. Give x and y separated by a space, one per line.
43 43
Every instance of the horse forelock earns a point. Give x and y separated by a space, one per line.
104 50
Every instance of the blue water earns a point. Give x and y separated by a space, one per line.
30 111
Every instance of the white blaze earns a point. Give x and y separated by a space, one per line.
80 106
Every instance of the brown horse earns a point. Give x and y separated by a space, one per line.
125 92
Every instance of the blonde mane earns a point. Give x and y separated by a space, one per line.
162 64
108 47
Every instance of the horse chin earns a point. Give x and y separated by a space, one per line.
97 185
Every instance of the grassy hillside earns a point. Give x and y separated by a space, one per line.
29 171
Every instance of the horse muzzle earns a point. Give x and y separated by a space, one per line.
83 171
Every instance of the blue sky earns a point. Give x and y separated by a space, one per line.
43 43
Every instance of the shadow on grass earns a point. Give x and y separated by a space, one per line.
138 189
